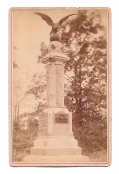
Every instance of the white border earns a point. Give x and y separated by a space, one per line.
4 6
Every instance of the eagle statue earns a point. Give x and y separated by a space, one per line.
53 34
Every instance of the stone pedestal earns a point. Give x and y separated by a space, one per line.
55 141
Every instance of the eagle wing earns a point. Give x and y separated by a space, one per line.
45 18
64 19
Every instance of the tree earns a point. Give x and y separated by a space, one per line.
86 75
25 125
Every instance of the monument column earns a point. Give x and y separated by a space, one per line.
55 122
50 83
54 83
59 84
54 61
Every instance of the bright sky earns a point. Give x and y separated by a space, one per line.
29 30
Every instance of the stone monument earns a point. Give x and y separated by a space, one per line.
55 141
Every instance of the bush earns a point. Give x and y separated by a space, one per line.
23 139
92 135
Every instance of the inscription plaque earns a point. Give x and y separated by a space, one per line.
61 117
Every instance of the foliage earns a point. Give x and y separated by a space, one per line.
25 126
44 51
38 87
23 138
86 76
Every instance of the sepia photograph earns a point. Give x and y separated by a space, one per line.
60 86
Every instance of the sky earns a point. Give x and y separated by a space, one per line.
29 30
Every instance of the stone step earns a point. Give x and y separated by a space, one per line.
65 151
56 158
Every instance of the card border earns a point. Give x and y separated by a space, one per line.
109 93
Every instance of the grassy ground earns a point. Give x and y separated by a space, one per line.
98 156
20 153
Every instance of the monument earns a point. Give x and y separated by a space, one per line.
55 142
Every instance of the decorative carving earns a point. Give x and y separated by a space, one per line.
55 46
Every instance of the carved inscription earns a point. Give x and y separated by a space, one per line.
64 152
59 85
51 85
61 117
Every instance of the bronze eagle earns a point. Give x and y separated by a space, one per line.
51 23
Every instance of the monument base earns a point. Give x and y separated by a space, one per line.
56 149
56 146
55 142
56 158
